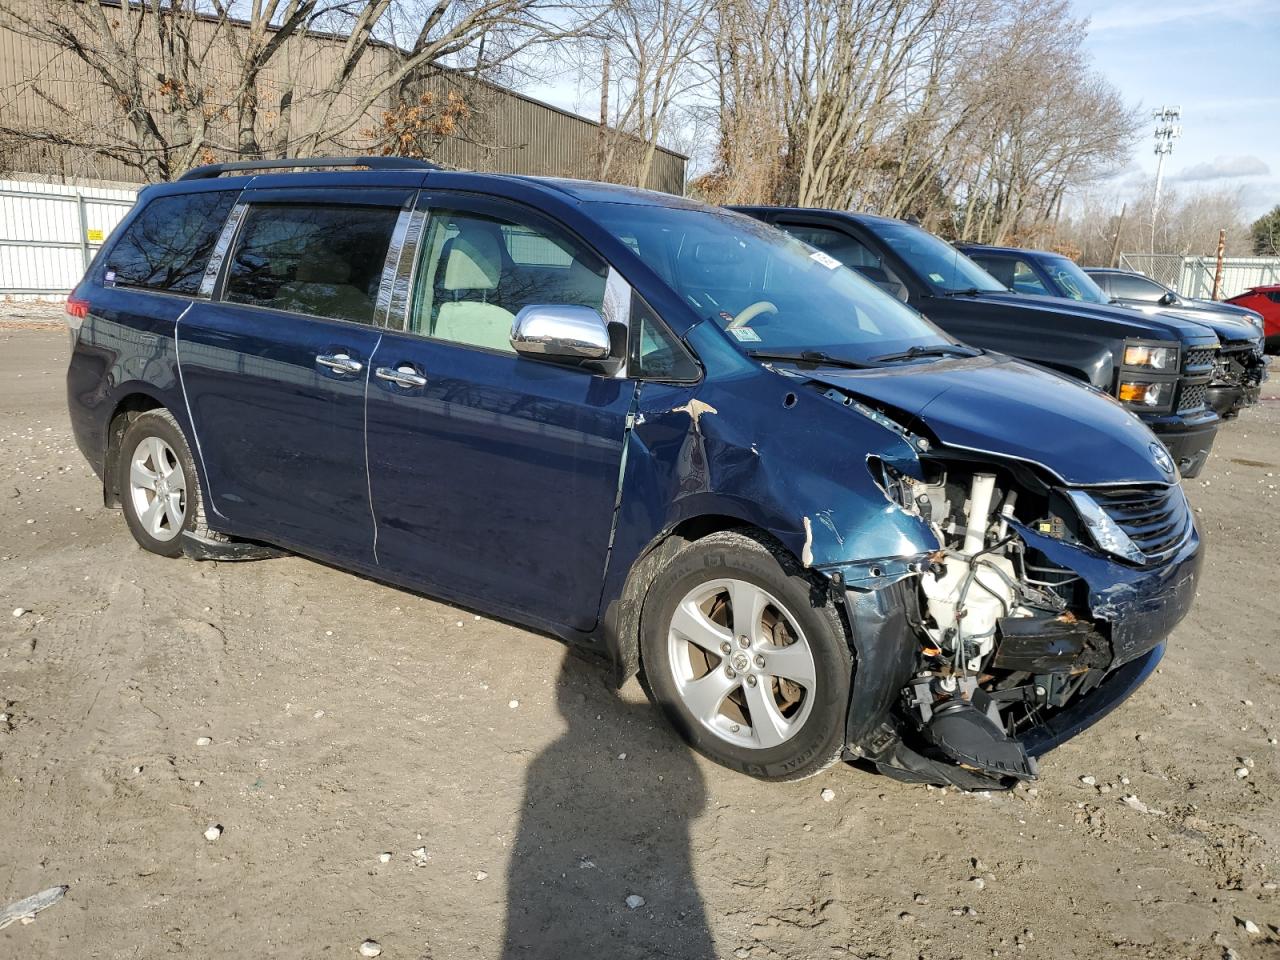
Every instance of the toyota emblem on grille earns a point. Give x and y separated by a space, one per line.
1162 458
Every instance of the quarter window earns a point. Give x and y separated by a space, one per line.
168 244
325 261
478 271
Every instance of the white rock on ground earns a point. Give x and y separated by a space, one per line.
1242 772
203 741
213 832
828 794
384 858
635 901
1089 781
19 611
370 948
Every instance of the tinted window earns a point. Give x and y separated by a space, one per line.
852 253
478 271
325 261
1014 273
1128 287
766 289
168 244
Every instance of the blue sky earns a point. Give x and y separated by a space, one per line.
1220 62
1217 59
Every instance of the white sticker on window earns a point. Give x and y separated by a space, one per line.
935 277
745 334
827 261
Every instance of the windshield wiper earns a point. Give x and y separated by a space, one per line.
932 350
968 292
814 357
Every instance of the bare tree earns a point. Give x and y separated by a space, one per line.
178 82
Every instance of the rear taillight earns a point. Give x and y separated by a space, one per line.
77 310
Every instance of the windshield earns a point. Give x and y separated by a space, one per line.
934 260
767 290
1074 282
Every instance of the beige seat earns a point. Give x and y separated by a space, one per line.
472 269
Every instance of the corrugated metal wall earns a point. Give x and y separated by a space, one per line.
508 132
49 232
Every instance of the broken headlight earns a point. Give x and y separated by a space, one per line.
1106 532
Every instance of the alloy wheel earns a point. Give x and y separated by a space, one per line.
158 488
741 663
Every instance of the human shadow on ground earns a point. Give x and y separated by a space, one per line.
595 829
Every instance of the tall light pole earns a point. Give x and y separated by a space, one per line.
1167 130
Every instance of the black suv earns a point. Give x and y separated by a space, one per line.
1158 366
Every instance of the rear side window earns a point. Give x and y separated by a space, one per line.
325 261
168 244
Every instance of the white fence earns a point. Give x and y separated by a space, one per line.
1193 276
49 232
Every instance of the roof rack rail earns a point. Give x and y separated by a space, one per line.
212 170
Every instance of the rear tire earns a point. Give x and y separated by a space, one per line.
158 484
746 655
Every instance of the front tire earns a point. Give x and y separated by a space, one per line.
158 484
745 653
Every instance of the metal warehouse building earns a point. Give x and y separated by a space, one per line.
58 200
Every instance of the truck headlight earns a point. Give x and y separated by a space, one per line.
1149 395
1156 358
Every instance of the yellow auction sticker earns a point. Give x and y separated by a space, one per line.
95 236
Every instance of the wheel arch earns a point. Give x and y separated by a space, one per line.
622 621
126 410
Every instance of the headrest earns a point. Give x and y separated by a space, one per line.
474 261
323 269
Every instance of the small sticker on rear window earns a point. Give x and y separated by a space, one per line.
935 277
826 260
745 334
109 278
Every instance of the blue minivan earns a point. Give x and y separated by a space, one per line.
815 524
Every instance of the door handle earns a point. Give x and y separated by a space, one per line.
402 376
339 362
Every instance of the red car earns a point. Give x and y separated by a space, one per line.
1266 301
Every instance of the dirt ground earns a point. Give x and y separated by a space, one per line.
521 801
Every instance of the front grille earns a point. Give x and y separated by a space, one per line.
1156 519
1201 357
1194 397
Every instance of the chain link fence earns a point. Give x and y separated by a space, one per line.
1193 276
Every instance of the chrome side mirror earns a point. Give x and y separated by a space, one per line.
560 331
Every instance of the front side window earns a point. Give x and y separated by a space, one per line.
168 244
944 268
851 252
1016 274
477 271
325 261
766 289
1128 287
1026 280
1074 282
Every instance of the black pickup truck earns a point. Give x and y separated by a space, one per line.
1241 364
1158 366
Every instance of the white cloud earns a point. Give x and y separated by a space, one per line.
1143 16
1224 168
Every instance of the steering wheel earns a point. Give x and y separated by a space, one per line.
750 313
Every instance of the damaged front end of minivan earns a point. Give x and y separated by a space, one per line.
1038 606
